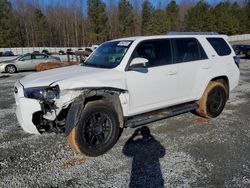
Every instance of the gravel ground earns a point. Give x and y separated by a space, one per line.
183 151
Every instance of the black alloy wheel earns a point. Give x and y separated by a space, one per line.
98 129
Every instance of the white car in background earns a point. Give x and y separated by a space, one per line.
126 83
26 62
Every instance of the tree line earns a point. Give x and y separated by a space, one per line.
34 23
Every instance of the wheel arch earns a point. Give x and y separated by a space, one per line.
11 65
225 81
111 95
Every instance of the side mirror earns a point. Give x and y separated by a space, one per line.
138 63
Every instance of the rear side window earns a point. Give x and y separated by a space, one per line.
40 56
188 49
220 46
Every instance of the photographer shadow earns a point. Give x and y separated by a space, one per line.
146 152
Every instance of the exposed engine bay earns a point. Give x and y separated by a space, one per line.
55 107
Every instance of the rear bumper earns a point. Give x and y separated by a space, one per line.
25 108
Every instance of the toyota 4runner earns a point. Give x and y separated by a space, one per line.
126 83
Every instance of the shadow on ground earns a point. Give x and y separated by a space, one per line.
146 152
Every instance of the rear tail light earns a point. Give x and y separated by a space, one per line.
237 61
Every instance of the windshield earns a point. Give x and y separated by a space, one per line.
108 55
19 57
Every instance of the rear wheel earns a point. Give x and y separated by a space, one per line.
97 131
213 100
10 69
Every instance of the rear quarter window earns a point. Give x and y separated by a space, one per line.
220 46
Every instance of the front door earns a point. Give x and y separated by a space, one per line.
157 85
25 62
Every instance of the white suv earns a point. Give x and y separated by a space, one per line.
126 83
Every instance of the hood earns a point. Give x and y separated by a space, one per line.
7 62
74 77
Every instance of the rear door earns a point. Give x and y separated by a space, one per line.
193 65
39 58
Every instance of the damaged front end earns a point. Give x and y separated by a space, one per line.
57 105
54 109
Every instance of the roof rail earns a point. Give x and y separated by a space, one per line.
192 33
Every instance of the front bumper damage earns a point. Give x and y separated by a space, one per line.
36 116
25 109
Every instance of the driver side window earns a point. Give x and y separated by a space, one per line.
157 52
26 57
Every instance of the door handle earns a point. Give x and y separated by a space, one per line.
207 67
173 72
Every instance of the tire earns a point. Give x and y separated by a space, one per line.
97 131
213 100
10 69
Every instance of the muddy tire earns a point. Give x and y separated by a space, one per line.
97 131
213 100
10 69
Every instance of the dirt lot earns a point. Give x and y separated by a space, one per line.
183 151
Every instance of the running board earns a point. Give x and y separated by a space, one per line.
159 114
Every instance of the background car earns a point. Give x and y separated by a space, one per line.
69 51
61 52
241 49
247 52
46 52
26 62
8 53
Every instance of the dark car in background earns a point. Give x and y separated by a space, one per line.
241 49
61 52
46 52
6 53
247 52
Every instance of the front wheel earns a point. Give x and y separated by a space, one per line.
97 131
10 69
213 100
